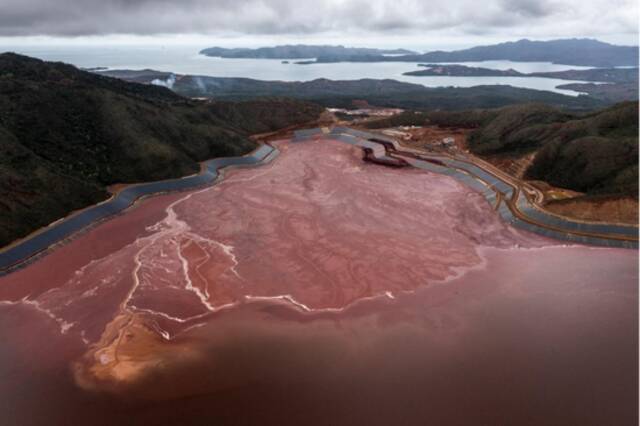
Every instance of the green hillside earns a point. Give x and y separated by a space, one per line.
66 134
595 153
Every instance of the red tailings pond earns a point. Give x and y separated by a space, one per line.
320 289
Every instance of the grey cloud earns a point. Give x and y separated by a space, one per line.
290 17
530 8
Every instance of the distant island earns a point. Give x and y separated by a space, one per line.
580 52
341 93
436 70
300 51
608 75
623 87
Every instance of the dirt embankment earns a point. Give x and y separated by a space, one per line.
572 204
610 209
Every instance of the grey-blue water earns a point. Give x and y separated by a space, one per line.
186 60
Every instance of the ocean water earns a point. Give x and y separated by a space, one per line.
186 60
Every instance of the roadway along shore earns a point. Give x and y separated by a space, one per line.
514 202
26 249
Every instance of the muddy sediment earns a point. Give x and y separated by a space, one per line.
315 281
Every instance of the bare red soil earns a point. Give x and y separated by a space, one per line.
319 280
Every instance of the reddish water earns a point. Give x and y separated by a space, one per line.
320 289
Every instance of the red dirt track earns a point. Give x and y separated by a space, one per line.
321 277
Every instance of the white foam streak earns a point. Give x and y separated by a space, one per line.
173 229
167 316
169 225
64 325
228 250
287 298
190 286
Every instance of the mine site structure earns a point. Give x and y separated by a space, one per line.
515 202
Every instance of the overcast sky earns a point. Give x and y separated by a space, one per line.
360 22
